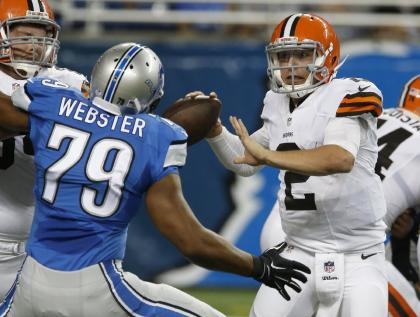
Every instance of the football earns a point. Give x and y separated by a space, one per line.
197 116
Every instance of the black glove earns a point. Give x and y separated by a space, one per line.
275 271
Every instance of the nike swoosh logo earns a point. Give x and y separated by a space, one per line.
364 257
363 88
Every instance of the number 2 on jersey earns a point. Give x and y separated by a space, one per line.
94 168
292 203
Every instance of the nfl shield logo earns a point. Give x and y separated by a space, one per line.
329 267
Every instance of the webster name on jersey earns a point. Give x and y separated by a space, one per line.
81 111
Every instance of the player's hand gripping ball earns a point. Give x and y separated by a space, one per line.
196 115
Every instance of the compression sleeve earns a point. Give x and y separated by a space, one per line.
227 147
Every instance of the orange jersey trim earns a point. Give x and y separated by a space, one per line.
359 103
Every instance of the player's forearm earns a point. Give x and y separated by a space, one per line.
227 147
325 160
213 252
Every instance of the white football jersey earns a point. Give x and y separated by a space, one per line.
339 212
399 160
17 169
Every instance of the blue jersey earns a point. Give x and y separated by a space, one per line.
92 167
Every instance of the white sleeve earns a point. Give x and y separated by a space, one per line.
20 99
344 132
227 147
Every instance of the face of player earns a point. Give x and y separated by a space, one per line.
26 48
293 65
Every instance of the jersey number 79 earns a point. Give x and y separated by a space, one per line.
94 168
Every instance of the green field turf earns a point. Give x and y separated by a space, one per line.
230 301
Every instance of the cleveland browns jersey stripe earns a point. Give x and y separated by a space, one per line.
397 305
359 103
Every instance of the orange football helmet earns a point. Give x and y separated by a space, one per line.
410 97
43 50
302 45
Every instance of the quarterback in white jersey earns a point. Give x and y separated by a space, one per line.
28 47
399 156
321 133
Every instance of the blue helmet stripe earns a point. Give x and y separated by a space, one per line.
119 71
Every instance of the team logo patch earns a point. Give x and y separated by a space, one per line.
329 267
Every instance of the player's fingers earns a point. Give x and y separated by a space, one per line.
193 94
282 291
293 265
279 247
243 127
295 286
213 95
235 124
293 274
301 267
239 160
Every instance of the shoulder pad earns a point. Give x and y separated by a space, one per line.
71 78
170 128
39 86
34 88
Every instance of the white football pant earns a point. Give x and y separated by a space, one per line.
11 259
101 290
363 292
